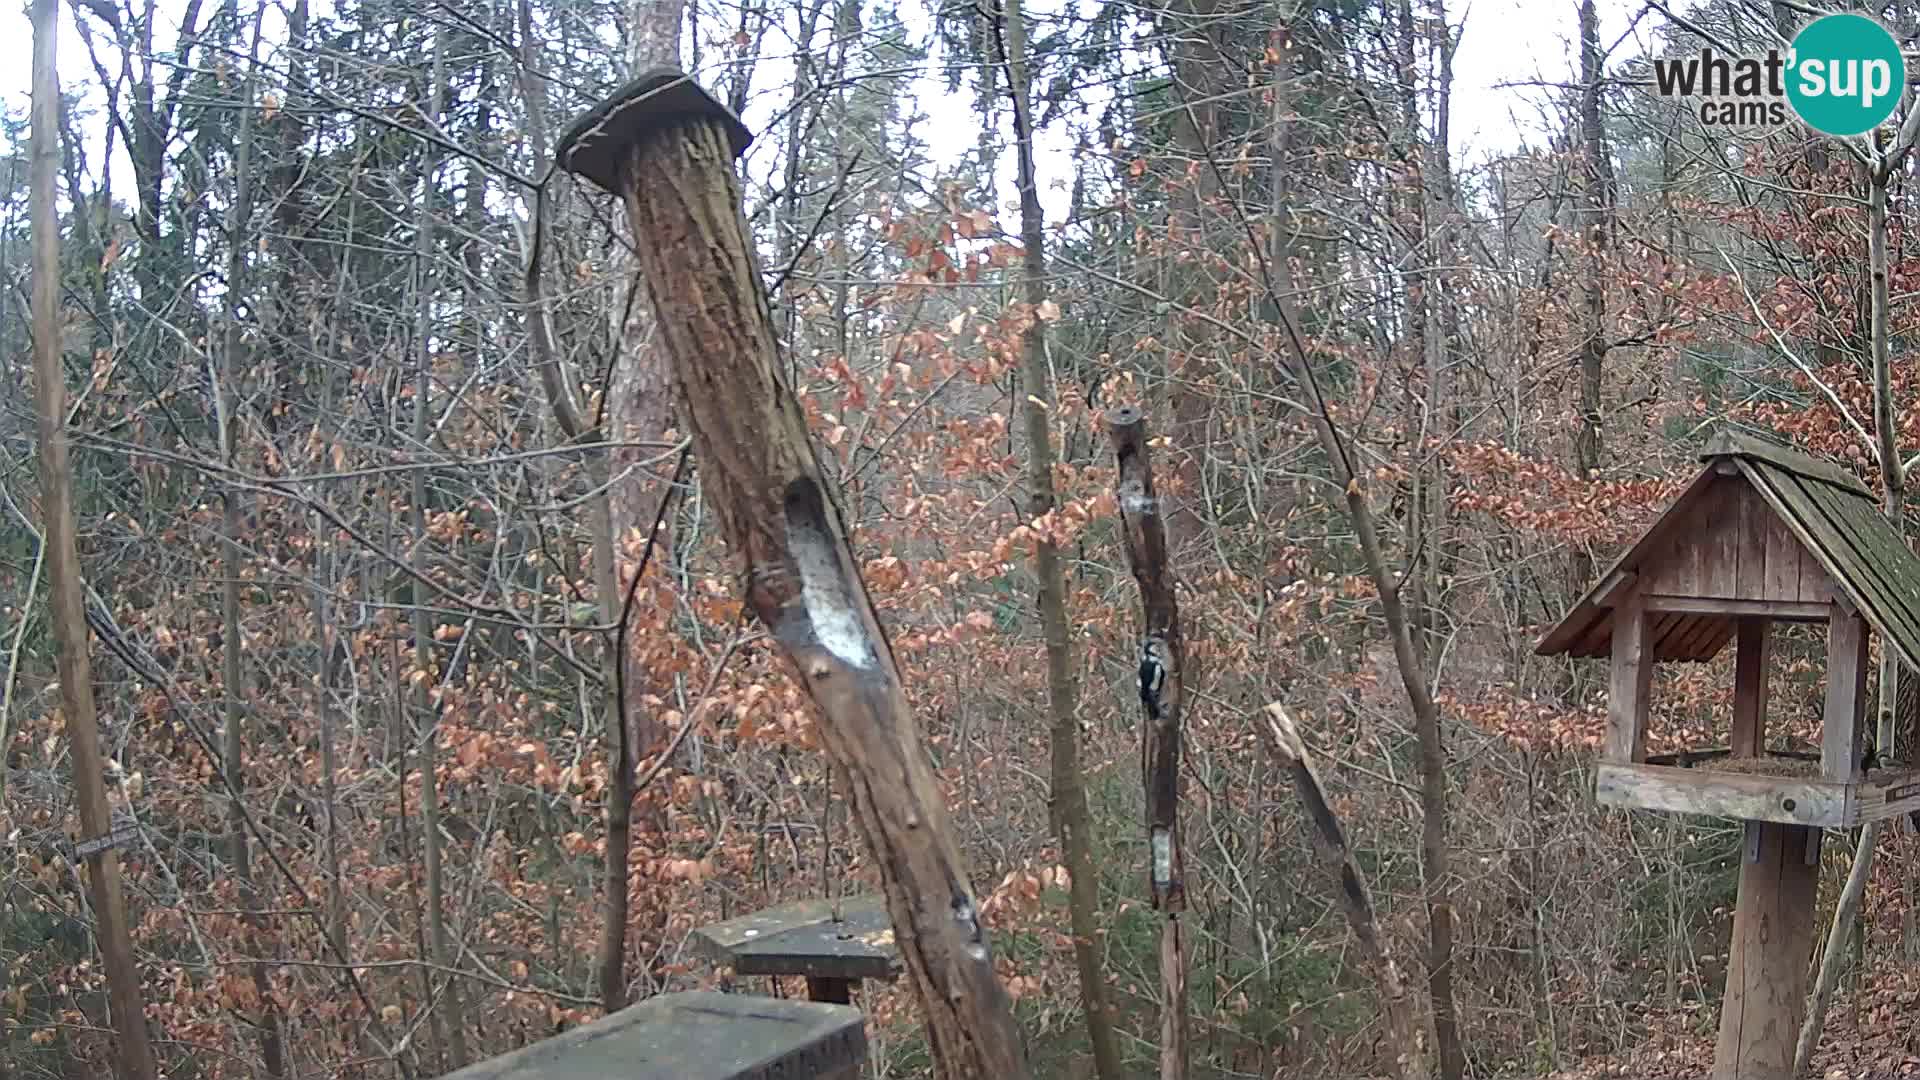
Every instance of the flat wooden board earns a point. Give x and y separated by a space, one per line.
695 1036
1889 796
1713 793
803 939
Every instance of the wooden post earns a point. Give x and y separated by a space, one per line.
1767 964
1160 644
1840 748
667 149
1631 684
1752 658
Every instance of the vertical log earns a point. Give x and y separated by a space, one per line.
1767 966
1161 646
667 148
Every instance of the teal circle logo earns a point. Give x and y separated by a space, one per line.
1845 74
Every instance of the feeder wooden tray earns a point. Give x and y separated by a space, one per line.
696 1036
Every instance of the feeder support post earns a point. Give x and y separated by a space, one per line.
667 149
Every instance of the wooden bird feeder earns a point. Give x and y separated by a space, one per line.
833 945
695 1036
1764 534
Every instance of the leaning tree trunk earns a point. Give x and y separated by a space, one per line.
1330 839
667 148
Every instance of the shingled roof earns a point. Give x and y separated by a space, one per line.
1829 511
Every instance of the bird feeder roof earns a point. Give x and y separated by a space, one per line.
1830 515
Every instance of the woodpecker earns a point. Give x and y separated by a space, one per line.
1153 674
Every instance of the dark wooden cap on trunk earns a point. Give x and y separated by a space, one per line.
594 145
695 1036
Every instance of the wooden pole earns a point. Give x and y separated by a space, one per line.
134 1060
667 149
1767 962
1161 645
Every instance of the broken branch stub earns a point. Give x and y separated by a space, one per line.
1330 840
669 154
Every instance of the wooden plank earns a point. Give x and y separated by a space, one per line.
1765 996
1721 632
1846 696
1755 519
1614 587
1722 794
1785 610
805 939
1783 560
1700 633
1784 457
1720 540
1629 686
1750 665
1889 798
696 1036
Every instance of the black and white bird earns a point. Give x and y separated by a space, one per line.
1153 674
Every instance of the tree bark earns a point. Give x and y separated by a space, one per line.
133 1059
1596 191
1144 530
800 577
427 710
1071 818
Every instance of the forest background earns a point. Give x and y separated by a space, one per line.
368 524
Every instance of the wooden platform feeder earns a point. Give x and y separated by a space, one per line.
696 1036
833 945
1763 534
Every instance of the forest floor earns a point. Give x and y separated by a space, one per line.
1873 1034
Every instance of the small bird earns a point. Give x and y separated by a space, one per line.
1153 674
1871 759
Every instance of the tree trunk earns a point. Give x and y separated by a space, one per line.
668 148
1163 675
233 749
1069 796
1892 477
1435 875
427 710
133 1059
1596 191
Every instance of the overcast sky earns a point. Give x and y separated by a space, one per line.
1508 49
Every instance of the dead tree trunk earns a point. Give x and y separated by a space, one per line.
667 148
1163 673
1410 1057
134 1059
